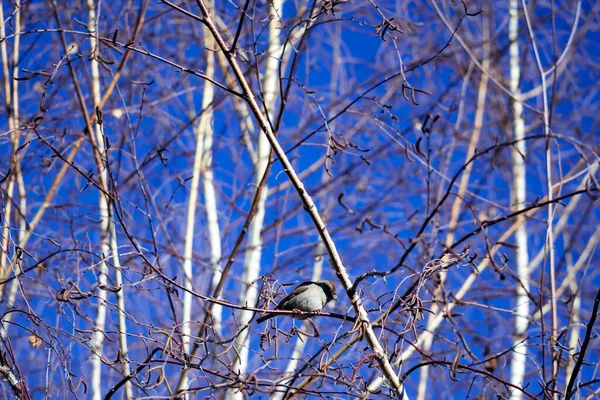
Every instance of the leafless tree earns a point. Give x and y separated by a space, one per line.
173 168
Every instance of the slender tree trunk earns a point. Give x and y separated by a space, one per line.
8 103
254 241
210 196
519 356
203 132
11 87
549 245
109 245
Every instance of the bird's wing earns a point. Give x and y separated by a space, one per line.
299 289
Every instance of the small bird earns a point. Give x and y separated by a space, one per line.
308 296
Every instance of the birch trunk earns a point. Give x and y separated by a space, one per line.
519 356
8 101
203 132
254 252
11 87
109 245
549 244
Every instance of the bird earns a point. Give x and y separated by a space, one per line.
308 296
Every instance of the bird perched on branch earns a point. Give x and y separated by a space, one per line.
307 297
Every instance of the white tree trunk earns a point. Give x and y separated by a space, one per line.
212 221
206 167
254 241
519 356
109 245
203 132
11 87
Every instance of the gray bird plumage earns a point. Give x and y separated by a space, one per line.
308 296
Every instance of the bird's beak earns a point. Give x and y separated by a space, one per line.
335 297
